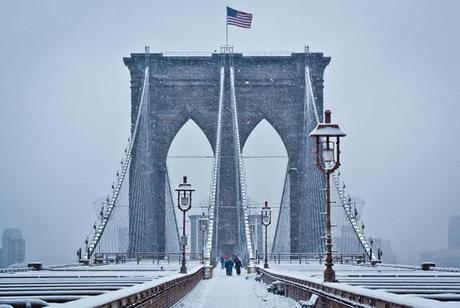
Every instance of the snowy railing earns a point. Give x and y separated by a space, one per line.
244 53
111 202
333 294
16 269
187 54
156 257
299 258
162 292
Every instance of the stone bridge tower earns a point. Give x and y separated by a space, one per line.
267 87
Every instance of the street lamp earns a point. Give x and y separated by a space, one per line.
328 143
184 203
266 221
203 221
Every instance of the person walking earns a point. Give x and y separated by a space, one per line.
238 264
222 262
229 266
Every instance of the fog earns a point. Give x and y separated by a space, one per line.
65 106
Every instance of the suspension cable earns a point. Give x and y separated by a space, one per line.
213 197
125 164
241 174
336 179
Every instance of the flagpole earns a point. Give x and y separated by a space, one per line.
226 29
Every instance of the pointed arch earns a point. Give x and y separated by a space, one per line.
190 153
264 140
281 127
266 164
170 131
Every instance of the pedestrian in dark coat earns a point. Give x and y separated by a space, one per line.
229 267
222 262
238 265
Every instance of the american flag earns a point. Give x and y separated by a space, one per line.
238 18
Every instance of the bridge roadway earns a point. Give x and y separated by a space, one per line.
231 292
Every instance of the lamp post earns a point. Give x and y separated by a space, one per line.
253 226
184 203
266 221
328 160
203 221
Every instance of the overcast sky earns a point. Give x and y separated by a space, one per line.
65 106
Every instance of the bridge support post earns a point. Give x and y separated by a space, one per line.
250 268
207 271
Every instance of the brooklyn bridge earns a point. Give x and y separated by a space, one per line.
145 250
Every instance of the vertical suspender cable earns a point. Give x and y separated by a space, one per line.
241 175
213 207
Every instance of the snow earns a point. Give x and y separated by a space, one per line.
125 292
236 291
78 282
313 273
242 291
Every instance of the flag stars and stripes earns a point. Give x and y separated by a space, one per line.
238 18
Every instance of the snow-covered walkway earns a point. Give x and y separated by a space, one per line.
233 292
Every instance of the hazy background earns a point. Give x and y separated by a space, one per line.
65 104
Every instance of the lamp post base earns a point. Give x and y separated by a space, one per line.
183 270
265 265
329 275
207 271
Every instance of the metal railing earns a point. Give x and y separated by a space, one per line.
16 269
330 294
304 258
156 257
244 53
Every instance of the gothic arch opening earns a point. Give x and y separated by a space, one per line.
191 154
265 160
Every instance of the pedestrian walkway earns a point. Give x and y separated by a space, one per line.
233 292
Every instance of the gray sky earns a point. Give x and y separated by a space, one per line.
392 85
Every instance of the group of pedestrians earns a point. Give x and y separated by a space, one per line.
229 263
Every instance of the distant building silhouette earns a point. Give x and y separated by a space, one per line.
13 247
195 234
255 223
449 257
123 238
